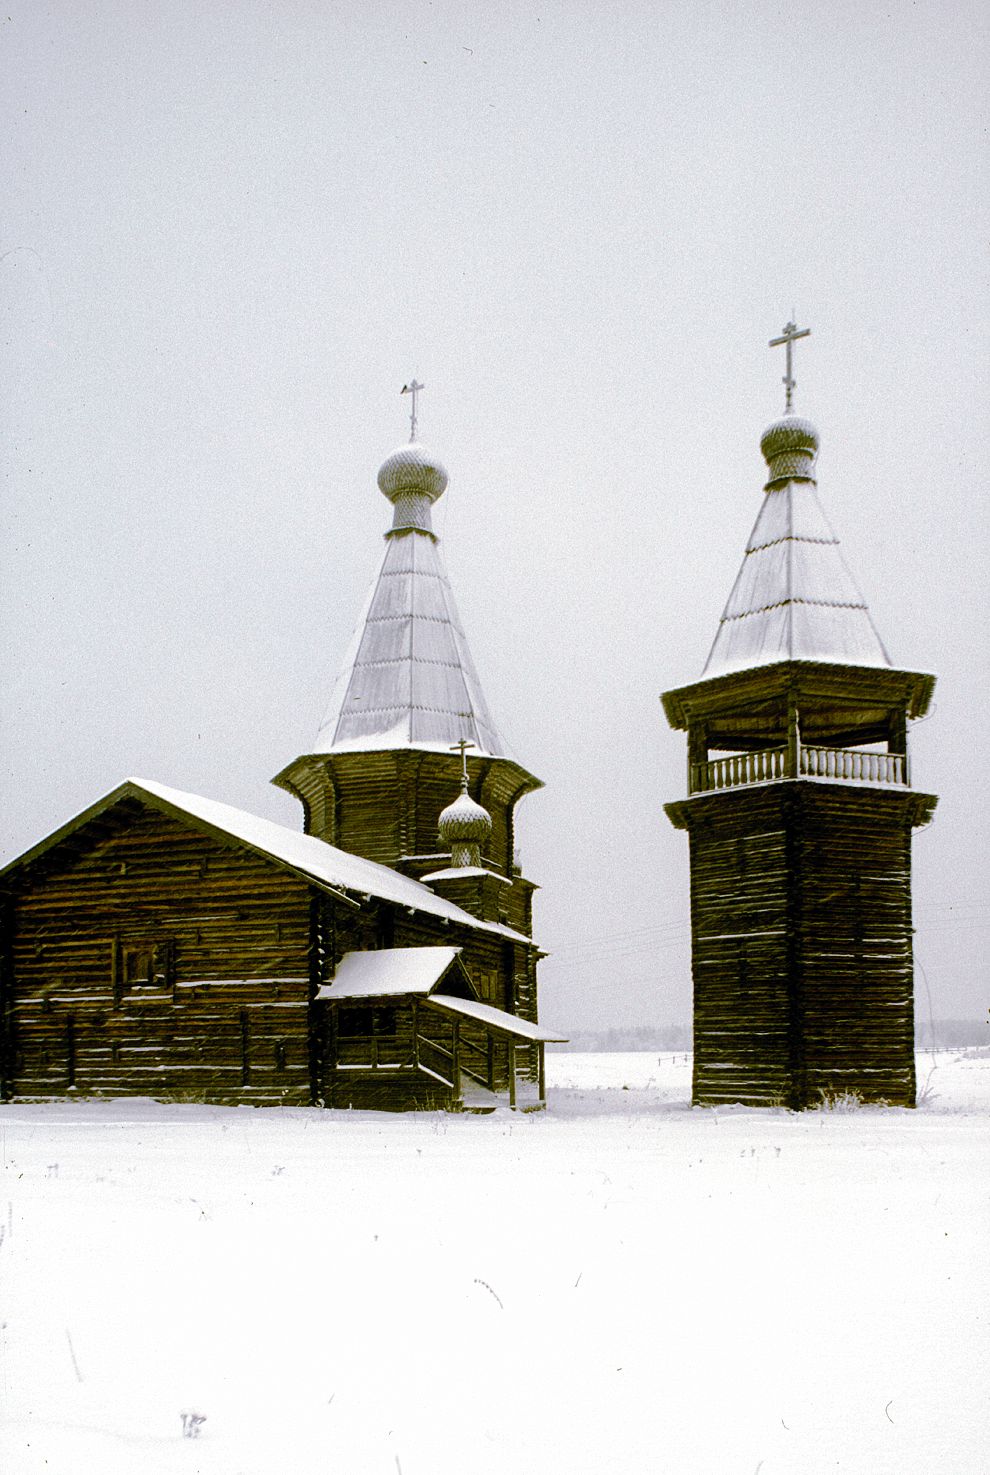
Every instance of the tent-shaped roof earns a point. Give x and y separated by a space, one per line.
336 871
408 679
794 597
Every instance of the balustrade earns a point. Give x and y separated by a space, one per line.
847 765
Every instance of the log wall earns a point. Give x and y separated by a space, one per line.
801 939
143 957
160 963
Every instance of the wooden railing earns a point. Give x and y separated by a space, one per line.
742 768
853 765
848 765
436 1067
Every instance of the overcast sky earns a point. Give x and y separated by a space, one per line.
231 232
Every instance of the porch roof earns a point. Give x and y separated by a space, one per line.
387 972
494 1019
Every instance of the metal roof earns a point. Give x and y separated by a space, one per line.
794 597
337 871
408 679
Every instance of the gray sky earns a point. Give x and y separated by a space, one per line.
232 231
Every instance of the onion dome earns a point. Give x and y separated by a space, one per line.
464 827
464 820
412 479
789 448
412 468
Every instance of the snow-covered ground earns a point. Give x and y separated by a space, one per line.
623 1284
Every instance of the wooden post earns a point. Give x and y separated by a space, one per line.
512 1075
415 1026
697 758
541 1058
897 742
491 1062
455 1060
793 738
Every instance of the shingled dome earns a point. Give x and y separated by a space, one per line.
412 468
789 448
464 820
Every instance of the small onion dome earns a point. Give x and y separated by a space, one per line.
464 821
789 448
411 469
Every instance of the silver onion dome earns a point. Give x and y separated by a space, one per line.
412 470
464 822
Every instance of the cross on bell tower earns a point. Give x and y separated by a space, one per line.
414 388
791 333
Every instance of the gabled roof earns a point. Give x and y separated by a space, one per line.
794 597
387 972
399 972
335 871
408 679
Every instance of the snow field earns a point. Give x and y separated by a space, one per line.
623 1284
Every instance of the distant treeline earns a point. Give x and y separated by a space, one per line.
640 1037
929 1034
932 1034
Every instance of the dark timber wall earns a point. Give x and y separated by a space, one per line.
801 932
146 958
141 956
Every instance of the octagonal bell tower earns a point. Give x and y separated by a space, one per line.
406 706
799 813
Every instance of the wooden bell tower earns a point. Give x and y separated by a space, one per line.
799 813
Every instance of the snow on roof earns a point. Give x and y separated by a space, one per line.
497 1019
794 597
458 873
388 971
408 679
336 870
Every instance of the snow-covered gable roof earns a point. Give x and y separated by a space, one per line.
337 871
387 972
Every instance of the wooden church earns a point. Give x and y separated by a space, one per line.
165 945
799 813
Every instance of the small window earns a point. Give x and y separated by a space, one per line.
365 1022
143 965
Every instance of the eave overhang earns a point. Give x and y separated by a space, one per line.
520 780
699 809
875 686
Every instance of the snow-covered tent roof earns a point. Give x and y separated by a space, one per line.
794 597
408 679
336 871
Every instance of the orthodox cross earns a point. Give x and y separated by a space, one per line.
790 333
461 746
413 388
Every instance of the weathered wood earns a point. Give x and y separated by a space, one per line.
802 943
